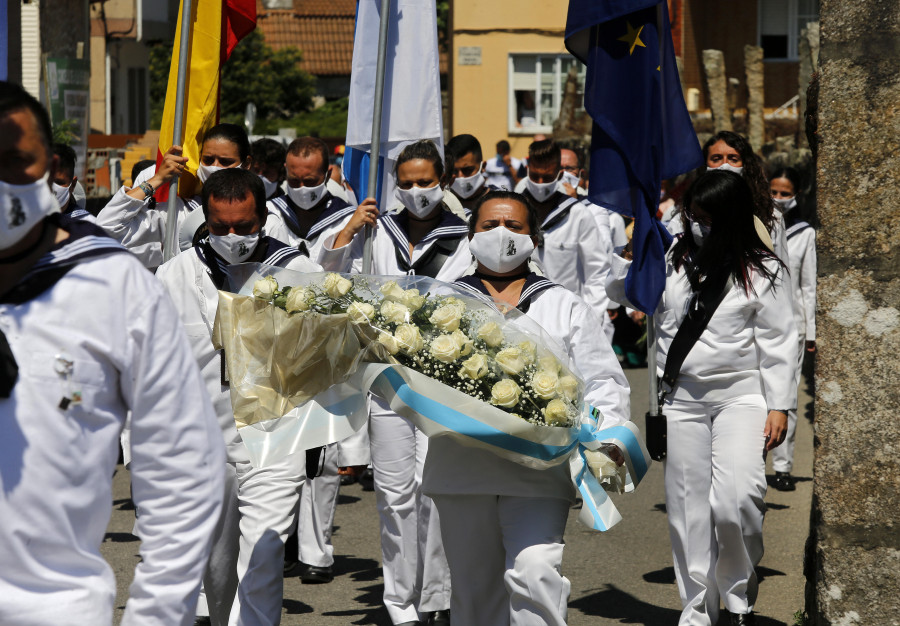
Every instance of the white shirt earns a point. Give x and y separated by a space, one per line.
749 346
188 280
801 247
114 321
498 174
452 468
281 225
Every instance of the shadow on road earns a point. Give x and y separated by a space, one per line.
371 597
664 576
613 603
295 607
363 570
120 537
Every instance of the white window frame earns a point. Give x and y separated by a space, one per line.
793 35
540 59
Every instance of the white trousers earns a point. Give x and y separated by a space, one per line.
416 576
315 519
505 554
715 497
220 579
267 500
783 455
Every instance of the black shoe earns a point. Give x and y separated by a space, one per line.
439 618
347 479
367 480
784 481
743 619
202 620
313 575
293 568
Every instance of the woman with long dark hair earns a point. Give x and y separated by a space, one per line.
730 401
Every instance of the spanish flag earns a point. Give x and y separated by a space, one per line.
216 28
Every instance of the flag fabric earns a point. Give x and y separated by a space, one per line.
4 41
216 28
411 108
642 132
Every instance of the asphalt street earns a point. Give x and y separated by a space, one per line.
623 576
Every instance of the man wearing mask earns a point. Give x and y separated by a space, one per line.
248 546
573 252
503 170
87 335
64 182
469 182
268 164
308 213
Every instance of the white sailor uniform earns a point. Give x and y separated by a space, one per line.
416 577
259 504
503 523
94 336
801 247
739 369
282 223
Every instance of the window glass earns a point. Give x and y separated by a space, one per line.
537 87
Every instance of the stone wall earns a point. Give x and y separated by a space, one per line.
854 571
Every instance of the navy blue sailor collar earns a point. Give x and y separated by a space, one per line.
396 225
564 205
277 253
534 284
335 210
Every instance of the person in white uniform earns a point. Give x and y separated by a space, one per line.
573 252
421 237
140 225
503 170
86 335
503 523
268 163
730 402
258 512
801 247
308 214
469 181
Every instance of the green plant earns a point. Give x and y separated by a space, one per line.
66 132
800 618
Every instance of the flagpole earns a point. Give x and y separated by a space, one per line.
170 245
375 148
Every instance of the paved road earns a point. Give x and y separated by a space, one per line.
624 576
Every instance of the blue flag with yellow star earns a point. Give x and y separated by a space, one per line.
642 132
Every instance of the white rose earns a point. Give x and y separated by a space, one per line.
463 341
446 317
392 291
505 393
545 384
529 351
455 302
297 300
394 312
361 312
556 413
413 300
388 341
510 360
444 348
265 288
549 364
475 367
569 386
408 338
336 286
491 334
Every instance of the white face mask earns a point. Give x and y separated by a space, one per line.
420 201
61 193
541 191
269 185
234 248
785 204
699 232
501 250
23 206
306 197
205 171
467 187
726 167
569 177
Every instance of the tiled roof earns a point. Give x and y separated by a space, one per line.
321 29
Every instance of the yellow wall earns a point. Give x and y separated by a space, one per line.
481 92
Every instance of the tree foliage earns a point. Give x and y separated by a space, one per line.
270 79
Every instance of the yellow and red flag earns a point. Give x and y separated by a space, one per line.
216 28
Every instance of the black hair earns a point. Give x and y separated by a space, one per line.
806 208
14 98
423 149
732 245
450 159
230 132
503 147
790 173
534 224
753 172
139 167
232 184
461 145
267 151
544 152
305 146
67 158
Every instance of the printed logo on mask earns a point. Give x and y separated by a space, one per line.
16 214
423 200
510 248
468 186
312 196
242 250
